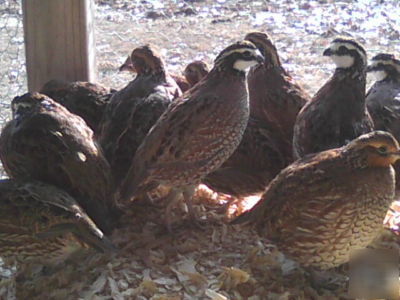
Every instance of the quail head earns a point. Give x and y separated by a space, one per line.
325 205
46 142
197 132
275 97
133 110
195 71
337 113
43 224
85 99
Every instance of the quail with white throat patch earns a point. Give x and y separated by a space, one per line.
266 147
198 131
337 113
383 98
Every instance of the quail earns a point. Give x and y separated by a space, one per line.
44 224
255 162
383 98
133 110
266 147
324 205
197 132
194 72
275 97
85 99
337 113
46 142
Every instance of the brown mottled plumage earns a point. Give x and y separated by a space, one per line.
133 110
266 147
255 162
337 114
198 132
46 142
275 98
44 224
327 204
85 99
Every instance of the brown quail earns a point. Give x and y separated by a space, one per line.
198 131
337 113
46 142
85 99
275 98
266 147
195 71
255 162
327 204
133 110
43 224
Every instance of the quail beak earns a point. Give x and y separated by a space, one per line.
395 155
259 58
327 52
127 65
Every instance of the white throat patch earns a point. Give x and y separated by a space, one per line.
344 61
244 65
378 75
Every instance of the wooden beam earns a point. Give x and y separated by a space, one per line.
59 41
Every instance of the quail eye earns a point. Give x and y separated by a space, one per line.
246 53
342 49
382 150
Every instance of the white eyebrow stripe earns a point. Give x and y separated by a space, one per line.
375 63
240 50
334 46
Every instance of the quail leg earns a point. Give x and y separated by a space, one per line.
328 279
172 199
188 193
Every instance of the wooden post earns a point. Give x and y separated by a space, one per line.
59 41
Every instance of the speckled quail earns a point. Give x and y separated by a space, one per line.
327 204
133 110
275 98
43 224
337 113
255 162
85 99
266 147
46 142
198 131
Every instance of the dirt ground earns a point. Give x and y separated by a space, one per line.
221 261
